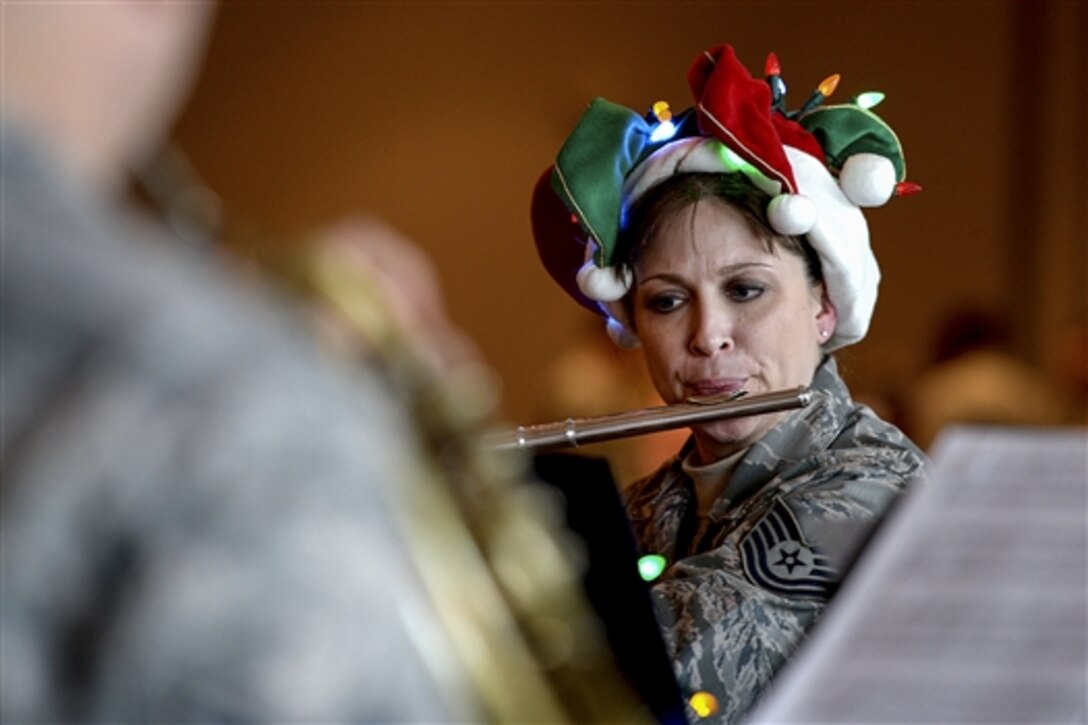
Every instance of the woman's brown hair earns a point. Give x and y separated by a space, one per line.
642 220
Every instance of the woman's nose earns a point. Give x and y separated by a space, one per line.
712 330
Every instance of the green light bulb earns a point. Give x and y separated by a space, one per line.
733 161
869 99
651 566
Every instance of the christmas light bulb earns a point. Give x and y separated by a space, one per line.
733 160
906 188
869 99
651 566
661 111
663 131
703 703
665 128
771 67
828 85
826 88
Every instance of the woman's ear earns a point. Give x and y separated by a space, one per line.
826 318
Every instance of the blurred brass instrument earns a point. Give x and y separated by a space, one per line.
521 641
581 431
508 631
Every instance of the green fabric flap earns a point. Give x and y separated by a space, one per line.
845 130
592 165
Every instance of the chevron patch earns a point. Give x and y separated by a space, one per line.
777 558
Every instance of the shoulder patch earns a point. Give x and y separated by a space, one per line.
777 558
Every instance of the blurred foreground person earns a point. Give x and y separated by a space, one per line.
728 242
204 518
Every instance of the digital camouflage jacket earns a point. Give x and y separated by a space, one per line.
735 604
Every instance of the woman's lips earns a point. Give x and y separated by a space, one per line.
715 386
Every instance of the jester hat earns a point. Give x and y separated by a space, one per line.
819 164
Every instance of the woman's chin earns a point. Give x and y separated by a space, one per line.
721 439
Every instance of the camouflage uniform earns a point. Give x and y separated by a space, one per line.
742 590
196 520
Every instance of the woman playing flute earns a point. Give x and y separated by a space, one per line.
728 241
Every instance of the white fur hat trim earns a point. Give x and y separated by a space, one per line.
841 238
603 284
868 179
792 214
690 155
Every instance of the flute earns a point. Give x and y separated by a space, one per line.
578 431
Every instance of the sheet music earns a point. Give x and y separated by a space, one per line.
971 604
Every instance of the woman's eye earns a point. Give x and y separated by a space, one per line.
663 303
744 292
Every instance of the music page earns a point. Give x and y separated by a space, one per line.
971 603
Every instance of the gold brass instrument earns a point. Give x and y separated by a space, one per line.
581 431
521 647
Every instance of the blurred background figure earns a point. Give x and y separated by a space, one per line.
1073 370
204 516
975 377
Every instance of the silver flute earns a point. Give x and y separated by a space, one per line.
579 431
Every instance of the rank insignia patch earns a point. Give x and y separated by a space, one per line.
777 558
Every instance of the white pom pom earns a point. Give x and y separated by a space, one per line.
604 285
792 214
621 335
868 179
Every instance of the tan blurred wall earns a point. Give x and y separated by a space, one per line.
439 116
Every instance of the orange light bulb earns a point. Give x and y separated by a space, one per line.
828 85
661 111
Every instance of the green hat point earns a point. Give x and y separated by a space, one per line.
848 129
